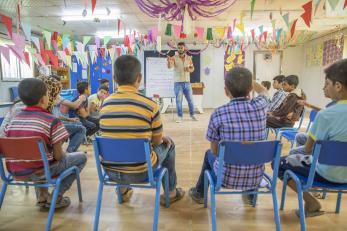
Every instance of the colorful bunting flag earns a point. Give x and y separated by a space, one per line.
286 19
265 35
93 5
307 15
278 35
209 35
230 32
26 27
168 30
177 30
158 47
27 58
36 41
241 27
252 7
200 32
107 40
68 61
47 36
252 32
86 40
344 6
6 53
316 4
7 21
261 29
333 3
220 32
292 29
97 42
118 21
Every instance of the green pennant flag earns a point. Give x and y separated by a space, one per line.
47 36
106 40
333 3
168 30
252 7
209 35
86 39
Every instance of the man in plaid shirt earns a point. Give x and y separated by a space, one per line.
241 119
279 95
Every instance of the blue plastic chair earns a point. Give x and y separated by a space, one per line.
122 151
1 119
324 152
33 148
278 130
290 135
69 94
245 153
14 93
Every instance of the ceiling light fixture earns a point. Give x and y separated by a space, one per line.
113 34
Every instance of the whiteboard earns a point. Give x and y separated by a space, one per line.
159 78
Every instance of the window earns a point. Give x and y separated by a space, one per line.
15 70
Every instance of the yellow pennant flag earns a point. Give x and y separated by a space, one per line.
68 61
220 32
241 27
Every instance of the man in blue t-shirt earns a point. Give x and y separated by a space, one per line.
328 125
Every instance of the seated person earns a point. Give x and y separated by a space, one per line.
279 95
73 126
266 84
290 110
95 101
128 114
328 125
35 120
241 119
90 123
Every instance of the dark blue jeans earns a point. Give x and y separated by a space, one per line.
207 165
77 132
91 124
166 158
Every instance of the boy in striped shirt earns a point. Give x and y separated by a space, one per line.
35 120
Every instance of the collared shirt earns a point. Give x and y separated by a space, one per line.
180 63
277 99
34 121
330 124
239 120
128 114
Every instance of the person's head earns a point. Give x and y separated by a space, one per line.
290 83
102 91
33 92
105 82
336 80
127 71
278 82
266 84
54 87
181 48
82 88
238 82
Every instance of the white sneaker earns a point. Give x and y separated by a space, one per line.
179 120
193 118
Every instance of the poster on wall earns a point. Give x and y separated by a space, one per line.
314 55
332 52
233 59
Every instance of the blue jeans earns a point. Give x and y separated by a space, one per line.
91 124
300 140
207 165
77 132
184 88
166 158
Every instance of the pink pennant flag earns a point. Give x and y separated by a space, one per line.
55 45
154 32
200 32
177 30
80 47
18 40
39 58
6 53
19 53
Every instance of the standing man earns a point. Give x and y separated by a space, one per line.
183 66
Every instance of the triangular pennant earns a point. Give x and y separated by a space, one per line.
19 53
7 21
265 35
68 61
220 32
168 30
32 51
62 56
158 43
278 35
79 47
47 36
307 15
86 39
177 30
55 45
97 42
107 40
54 36
27 30
27 58
118 25
333 3
261 29
66 41
209 35
230 32
252 32
286 19
93 5
316 4
241 27
18 40
111 51
118 51
344 6
36 41
39 58
6 53
292 29
252 7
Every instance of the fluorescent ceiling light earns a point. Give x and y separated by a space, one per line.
112 34
111 14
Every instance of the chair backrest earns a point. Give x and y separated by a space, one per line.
333 153
313 114
301 120
1 119
69 94
14 93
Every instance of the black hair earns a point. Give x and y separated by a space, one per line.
103 81
103 87
279 78
56 77
239 81
181 44
82 87
31 91
266 84
292 80
337 72
126 69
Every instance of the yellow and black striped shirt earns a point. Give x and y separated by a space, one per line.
128 114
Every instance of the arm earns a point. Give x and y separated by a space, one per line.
58 152
258 88
75 104
170 62
214 148
92 107
309 145
157 140
84 113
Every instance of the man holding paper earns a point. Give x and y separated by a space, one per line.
182 65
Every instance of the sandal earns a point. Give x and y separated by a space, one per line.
179 195
310 214
41 204
62 202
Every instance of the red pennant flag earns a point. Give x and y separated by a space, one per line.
7 21
292 29
67 51
345 4
252 32
102 51
126 41
93 5
118 50
265 35
41 45
183 35
27 59
307 15
53 59
54 36
118 26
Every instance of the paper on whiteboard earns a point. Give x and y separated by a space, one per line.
84 74
159 79
74 67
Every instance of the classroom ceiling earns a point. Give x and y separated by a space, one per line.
47 14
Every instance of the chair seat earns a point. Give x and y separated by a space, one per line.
323 185
289 135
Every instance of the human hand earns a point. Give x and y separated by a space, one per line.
82 98
301 102
167 141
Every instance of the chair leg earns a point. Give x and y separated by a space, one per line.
52 208
338 202
324 195
276 213
301 208
284 189
3 192
267 133
119 195
156 207
205 191
254 201
166 190
213 211
78 182
98 207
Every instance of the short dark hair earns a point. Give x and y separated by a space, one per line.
337 72
126 68
292 80
103 81
103 87
279 78
31 91
266 84
82 87
239 81
181 44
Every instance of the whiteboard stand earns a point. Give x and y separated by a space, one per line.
166 104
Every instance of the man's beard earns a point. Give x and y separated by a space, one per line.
181 52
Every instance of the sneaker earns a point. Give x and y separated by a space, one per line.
196 196
62 202
179 120
193 118
248 199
